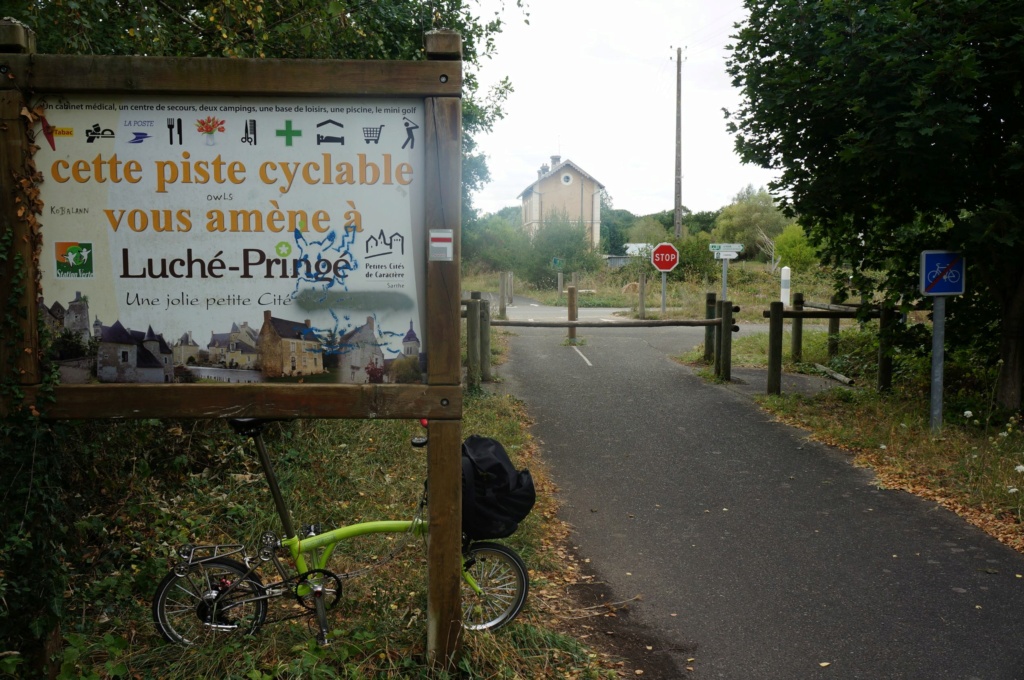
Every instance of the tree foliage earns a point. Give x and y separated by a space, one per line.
565 239
751 213
794 249
285 29
896 126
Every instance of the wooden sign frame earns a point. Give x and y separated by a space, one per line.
25 77
438 81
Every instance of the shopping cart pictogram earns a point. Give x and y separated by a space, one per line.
372 134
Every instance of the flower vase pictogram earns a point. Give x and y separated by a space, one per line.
208 127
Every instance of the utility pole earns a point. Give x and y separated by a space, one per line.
678 221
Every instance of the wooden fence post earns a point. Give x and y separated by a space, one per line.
726 341
796 348
561 283
485 340
502 279
775 348
573 314
709 331
473 342
718 339
833 332
886 319
642 291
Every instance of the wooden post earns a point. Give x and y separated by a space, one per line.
502 279
833 332
575 281
561 283
886 321
511 287
473 341
443 203
709 331
726 341
444 549
573 314
796 348
718 339
642 291
485 340
18 304
775 347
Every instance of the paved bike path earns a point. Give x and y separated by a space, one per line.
758 553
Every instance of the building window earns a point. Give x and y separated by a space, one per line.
124 356
566 179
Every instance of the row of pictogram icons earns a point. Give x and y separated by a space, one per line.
212 129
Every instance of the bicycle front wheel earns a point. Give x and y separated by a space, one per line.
207 599
501 585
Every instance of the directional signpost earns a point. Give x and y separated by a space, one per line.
725 252
665 258
942 274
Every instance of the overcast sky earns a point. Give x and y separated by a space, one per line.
595 82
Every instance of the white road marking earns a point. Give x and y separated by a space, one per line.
584 358
534 305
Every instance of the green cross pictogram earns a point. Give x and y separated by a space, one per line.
288 133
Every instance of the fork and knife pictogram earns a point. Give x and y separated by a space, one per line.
170 130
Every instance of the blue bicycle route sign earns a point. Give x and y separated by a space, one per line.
942 272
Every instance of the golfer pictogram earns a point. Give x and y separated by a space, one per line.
410 138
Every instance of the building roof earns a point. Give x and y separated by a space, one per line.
556 169
411 335
293 330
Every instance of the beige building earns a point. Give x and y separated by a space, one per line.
563 188
288 348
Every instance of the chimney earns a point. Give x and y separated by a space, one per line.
544 169
369 322
266 316
308 323
555 160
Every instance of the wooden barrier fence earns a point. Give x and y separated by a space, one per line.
776 314
479 322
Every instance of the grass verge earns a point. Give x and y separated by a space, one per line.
145 487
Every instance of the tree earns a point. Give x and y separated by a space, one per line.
614 223
702 221
647 230
795 250
750 213
897 127
288 29
565 239
496 243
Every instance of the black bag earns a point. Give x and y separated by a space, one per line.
495 497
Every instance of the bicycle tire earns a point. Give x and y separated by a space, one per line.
187 609
504 583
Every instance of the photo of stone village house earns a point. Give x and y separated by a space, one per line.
126 355
122 355
236 348
281 348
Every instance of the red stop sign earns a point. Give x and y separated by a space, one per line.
664 257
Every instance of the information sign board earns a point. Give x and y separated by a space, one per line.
725 247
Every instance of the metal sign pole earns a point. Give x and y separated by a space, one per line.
938 350
664 283
725 278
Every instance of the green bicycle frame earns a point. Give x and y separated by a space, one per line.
300 547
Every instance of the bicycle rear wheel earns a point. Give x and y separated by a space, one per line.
207 599
503 584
